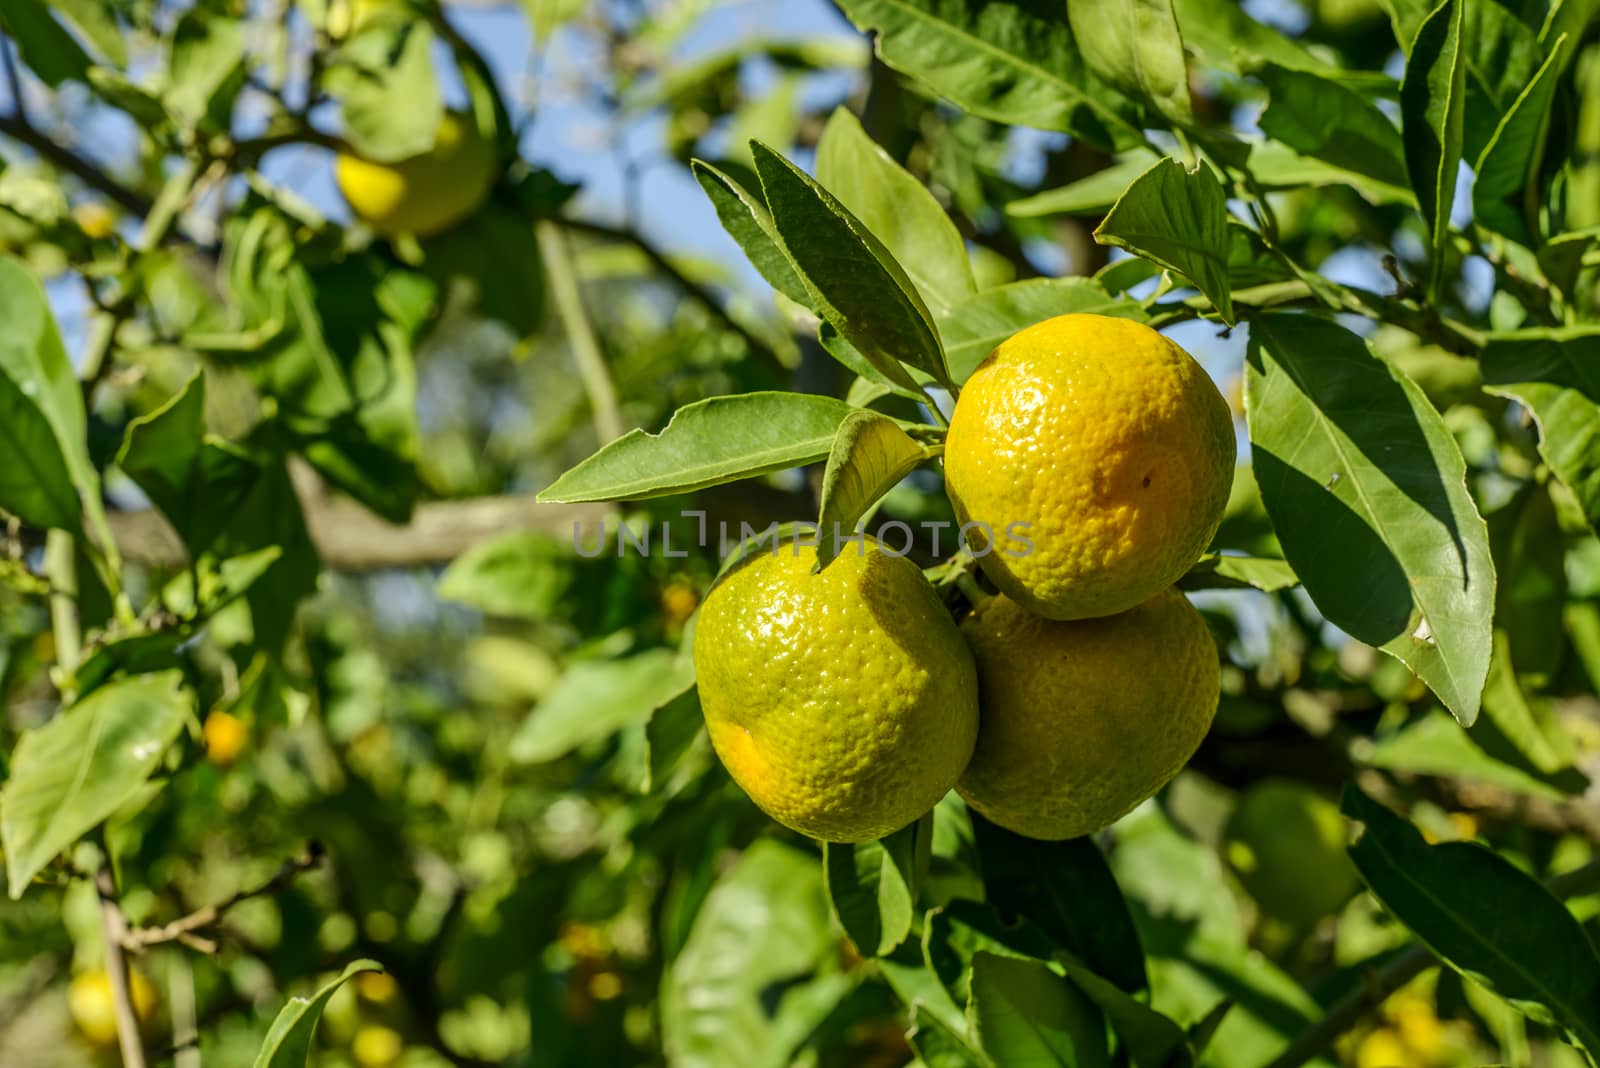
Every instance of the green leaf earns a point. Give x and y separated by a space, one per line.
673 730
1438 745
1135 46
763 926
1012 61
1324 119
1513 155
1555 374
195 481
518 575
288 1041
205 69
548 16
1275 165
70 774
594 699
898 210
1067 890
744 215
706 444
97 22
47 48
489 263
44 456
1524 731
870 455
1367 492
873 886
937 1046
383 76
1529 553
976 327
1026 1015
855 283
1090 195
1432 99
1225 37
1501 53
1485 917
1214 571
1151 1039
1178 219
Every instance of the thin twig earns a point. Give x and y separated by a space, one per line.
1396 973
701 294
114 926
585 346
91 175
183 929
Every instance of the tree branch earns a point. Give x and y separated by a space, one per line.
183 929
591 363
91 175
114 926
701 294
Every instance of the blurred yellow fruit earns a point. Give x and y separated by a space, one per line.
678 602
1111 443
425 194
93 1005
226 736
1383 1048
1286 842
94 219
845 702
1082 720
376 1046
376 987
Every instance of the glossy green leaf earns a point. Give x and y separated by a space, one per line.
205 69
1432 101
1013 61
706 444
1529 553
1556 375
1275 165
1485 917
1501 53
44 457
744 215
976 327
383 76
1214 571
70 774
594 699
898 210
763 926
1026 1015
47 48
1135 46
1178 219
870 455
288 1041
1151 1039
1512 157
1438 745
1090 195
673 730
1523 730
1324 119
873 886
855 283
1067 890
1225 37
1367 491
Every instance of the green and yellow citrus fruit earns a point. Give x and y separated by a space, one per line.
1084 719
844 702
92 1004
1286 842
426 194
1113 446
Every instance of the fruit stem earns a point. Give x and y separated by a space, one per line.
976 595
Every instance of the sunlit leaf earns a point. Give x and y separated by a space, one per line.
288 1041
1178 219
870 455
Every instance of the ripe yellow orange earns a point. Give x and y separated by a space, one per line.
225 736
1083 719
844 702
92 1004
1110 443
426 194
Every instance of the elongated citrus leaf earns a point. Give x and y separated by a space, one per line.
855 283
1135 46
1501 54
1324 119
1367 491
1023 1013
870 455
1013 61
744 215
1556 375
897 208
1151 1039
974 328
873 886
1511 159
44 456
1432 101
1484 916
706 444
1438 745
70 774
1216 572
597 698
1091 195
1178 219
288 1041
1225 37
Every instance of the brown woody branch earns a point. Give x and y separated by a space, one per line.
18 129
115 928
185 929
